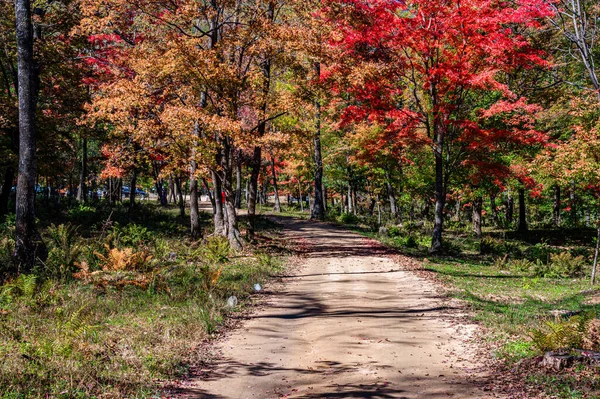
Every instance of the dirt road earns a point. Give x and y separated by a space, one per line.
349 323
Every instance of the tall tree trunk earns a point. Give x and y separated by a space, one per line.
556 207
233 233
595 265
238 180
257 155
132 189
218 216
211 196
457 210
171 186
522 212
391 196
349 198
253 190
318 210
181 200
277 207
477 208
510 206
440 195
9 176
29 245
195 232
588 216
82 189
494 208
573 204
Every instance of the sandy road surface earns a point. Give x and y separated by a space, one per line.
349 323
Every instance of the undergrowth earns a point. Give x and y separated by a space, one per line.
118 307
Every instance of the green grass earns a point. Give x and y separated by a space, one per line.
64 338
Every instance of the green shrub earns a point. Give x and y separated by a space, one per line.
64 253
567 265
495 246
491 246
82 214
541 251
130 235
395 231
563 334
411 241
522 265
348 218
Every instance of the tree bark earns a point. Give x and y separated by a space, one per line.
391 196
318 210
211 196
440 195
477 208
253 190
9 176
573 204
233 233
29 245
238 180
277 207
181 200
257 155
218 217
494 208
522 212
82 193
556 207
595 265
171 185
510 206
132 189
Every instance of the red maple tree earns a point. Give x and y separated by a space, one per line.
433 69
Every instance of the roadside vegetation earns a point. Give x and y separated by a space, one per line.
122 303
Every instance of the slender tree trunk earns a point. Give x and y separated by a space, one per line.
440 196
253 190
218 216
233 233
238 180
29 245
494 208
457 210
132 186
171 185
522 212
573 201
392 197
588 216
349 199
82 189
181 201
195 231
9 176
595 265
477 208
556 207
277 207
300 199
318 210
211 196
510 206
